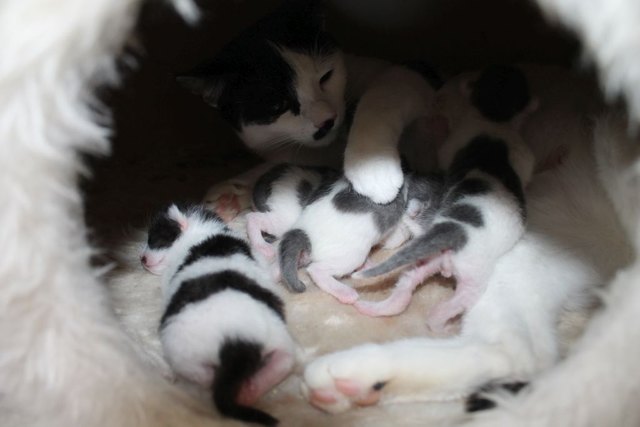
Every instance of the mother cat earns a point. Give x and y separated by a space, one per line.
289 93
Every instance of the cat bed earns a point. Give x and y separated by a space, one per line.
169 147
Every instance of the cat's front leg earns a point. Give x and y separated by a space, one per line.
354 377
413 369
394 100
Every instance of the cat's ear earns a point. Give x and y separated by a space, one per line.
208 87
178 216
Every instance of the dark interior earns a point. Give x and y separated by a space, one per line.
168 145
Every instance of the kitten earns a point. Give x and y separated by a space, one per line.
223 326
482 214
334 234
279 197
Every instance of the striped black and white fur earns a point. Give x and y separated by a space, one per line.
482 213
223 325
279 196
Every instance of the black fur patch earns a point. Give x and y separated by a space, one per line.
163 232
200 288
500 93
491 156
264 185
479 402
385 215
469 187
240 360
465 213
327 183
304 191
220 245
249 81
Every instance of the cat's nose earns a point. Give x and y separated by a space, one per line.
324 128
144 260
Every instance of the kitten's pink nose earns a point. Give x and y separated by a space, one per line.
325 128
144 259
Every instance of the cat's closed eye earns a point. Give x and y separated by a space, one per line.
325 77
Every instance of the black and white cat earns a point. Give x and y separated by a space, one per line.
223 325
289 91
481 215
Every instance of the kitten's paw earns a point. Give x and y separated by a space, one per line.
440 319
227 199
379 179
355 377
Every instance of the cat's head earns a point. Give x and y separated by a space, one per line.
280 81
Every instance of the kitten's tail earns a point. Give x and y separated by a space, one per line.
292 247
239 361
443 236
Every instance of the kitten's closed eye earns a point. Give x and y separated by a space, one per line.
325 77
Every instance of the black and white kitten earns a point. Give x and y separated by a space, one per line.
223 325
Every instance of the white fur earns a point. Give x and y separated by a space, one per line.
65 361
371 160
597 369
610 36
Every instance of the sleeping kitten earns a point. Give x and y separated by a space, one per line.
223 326
279 196
481 216
334 234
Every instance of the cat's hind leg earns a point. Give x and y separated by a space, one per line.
323 276
401 294
468 291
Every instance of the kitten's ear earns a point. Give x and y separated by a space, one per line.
178 216
207 87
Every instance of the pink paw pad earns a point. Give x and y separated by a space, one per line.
227 206
321 397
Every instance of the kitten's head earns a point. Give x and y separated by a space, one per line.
174 229
280 81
